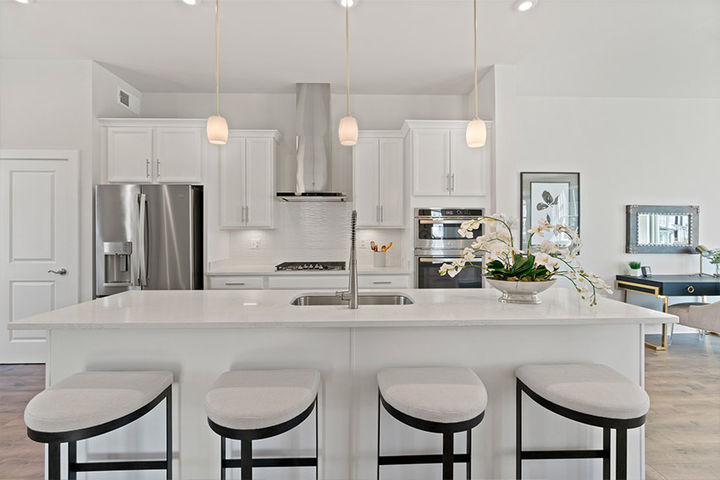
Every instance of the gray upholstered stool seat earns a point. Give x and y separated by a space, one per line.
587 388
444 400
588 393
249 405
442 395
253 399
89 399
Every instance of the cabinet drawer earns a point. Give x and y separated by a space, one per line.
691 289
306 282
383 281
236 283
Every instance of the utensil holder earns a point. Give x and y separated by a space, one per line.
379 259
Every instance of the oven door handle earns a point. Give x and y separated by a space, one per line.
441 222
437 259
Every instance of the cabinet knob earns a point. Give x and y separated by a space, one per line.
690 289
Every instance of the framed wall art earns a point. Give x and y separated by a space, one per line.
550 196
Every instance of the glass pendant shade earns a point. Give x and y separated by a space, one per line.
217 130
476 133
348 131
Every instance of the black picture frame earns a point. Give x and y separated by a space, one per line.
533 182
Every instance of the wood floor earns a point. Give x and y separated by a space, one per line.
683 428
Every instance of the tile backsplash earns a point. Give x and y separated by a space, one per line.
310 231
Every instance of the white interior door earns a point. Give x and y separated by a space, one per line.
38 244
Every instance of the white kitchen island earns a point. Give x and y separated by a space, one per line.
200 334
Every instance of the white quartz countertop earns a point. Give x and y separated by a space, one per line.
271 308
229 269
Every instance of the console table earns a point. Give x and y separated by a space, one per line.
665 286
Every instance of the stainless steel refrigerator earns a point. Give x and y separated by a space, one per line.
148 237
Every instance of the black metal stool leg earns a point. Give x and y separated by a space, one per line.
606 453
621 454
518 430
222 457
378 438
168 435
469 453
53 461
246 462
72 460
317 443
447 456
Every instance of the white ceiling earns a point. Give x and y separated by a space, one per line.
564 47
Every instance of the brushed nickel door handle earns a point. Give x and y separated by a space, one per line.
61 271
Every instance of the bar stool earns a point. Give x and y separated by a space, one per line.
591 394
249 405
438 400
92 403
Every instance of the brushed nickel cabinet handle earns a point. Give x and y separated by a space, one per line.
382 283
230 284
147 168
157 166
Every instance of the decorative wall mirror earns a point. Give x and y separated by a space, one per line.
662 228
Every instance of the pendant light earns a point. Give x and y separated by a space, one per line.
348 128
217 127
476 132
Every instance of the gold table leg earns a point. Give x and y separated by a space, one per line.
664 341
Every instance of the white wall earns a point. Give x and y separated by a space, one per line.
48 104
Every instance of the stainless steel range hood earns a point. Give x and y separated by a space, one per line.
313 147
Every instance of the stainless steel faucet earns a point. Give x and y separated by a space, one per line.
351 295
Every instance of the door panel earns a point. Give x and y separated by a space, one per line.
469 166
232 183
366 198
169 237
391 176
178 155
130 154
431 161
39 232
260 184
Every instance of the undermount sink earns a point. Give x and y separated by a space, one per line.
373 299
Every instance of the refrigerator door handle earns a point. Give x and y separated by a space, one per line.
142 241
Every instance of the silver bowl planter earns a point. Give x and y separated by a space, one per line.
520 292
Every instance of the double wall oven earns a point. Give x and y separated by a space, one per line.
437 241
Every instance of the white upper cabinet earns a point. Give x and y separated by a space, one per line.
154 150
178 154
443 164
129 154
378 173
247 180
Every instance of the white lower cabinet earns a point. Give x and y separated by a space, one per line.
304 282
247 179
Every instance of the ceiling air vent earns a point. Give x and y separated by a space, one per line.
128 100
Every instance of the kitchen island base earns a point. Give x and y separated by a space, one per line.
349 359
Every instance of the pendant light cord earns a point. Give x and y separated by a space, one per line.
217 56
347 56
477 102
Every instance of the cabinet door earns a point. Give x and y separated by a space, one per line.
431 161
178 155
129 154
365 182
468 166
232 183
259 183
391 182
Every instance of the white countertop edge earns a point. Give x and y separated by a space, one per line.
261 271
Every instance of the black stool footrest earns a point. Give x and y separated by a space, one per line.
273 462
118 466
420 459
560 454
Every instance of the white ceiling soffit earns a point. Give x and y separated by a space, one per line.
564 47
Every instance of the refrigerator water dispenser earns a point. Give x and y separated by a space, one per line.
117 262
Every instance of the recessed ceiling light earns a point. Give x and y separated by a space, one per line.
348 3
525 5
190 2
23 1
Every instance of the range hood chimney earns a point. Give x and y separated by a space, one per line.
313 147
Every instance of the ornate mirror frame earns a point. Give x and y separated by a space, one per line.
631 230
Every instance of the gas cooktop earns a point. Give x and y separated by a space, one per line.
321 266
